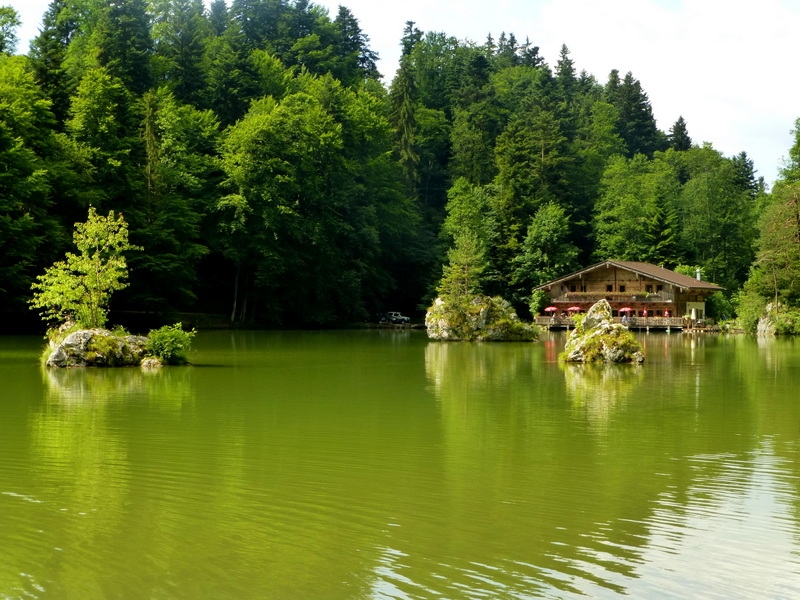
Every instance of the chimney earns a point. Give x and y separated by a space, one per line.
698 274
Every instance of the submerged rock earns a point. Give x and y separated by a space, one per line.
481 319
97 348
596 338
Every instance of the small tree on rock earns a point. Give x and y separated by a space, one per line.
79 288
462 277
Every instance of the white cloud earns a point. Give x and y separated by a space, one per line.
724 65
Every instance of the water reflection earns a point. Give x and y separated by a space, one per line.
604 502
171 388
597 390
356 466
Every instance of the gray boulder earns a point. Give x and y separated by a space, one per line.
596 338
479 319
97 348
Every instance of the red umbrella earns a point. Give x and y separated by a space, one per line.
574 308
625 309
550 309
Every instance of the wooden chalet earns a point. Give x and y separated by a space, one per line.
644 294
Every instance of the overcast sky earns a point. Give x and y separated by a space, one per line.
726 66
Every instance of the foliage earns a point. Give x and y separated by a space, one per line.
787 322
170 344
750 307
9 21
80 287
27 225
547 252
539 300
688 270
462 276
631 215
271 175
773 284
719 306
105 346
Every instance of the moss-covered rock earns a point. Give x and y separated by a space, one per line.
96 348
479 319
596 338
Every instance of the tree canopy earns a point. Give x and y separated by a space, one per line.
271 174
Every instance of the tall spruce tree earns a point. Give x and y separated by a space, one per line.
46 58
124 44
678 137
637 125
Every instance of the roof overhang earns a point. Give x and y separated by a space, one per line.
684 282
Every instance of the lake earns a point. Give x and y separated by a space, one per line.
377 464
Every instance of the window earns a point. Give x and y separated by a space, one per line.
659 288
583 288
648 288
622 288
572 288
609 288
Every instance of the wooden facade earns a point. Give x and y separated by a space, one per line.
647 290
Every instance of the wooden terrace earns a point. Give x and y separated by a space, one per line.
633 323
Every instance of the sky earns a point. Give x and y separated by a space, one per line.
726 66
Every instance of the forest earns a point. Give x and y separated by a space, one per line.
269 172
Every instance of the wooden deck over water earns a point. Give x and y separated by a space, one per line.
635 323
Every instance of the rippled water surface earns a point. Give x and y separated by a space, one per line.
375 464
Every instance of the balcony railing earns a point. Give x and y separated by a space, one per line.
578 297
633 323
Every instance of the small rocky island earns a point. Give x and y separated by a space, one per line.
596 338
97 347
479 319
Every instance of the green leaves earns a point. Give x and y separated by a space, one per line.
170 344
462 276
80 287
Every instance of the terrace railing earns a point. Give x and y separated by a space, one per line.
578 297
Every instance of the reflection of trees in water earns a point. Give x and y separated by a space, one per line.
591 464
770 368
463 368
597 390
517 475
170 387
82 460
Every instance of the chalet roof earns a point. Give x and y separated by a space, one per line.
652 271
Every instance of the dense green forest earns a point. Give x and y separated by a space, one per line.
270 173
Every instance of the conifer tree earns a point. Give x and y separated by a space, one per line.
46 58
678 137
124 44
9 21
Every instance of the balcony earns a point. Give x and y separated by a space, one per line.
618 297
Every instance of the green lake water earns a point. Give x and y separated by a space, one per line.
377 464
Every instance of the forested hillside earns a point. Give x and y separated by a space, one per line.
270 172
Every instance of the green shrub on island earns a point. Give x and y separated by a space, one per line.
170 344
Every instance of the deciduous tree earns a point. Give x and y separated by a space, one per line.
79 288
